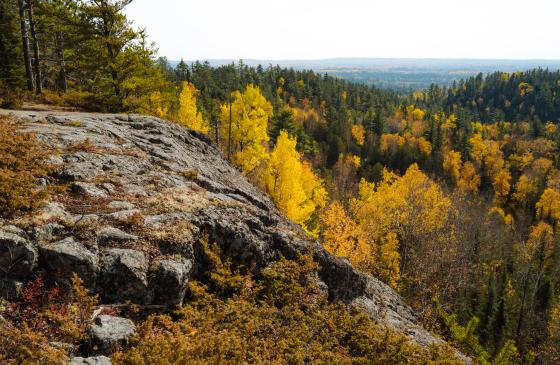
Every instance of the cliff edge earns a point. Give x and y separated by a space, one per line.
129 178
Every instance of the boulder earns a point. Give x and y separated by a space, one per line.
107 234
109 333
96 360
52 211
88 189
123 275
15 230
18 256
47 232
68 256
169 279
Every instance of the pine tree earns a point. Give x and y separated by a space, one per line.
12 73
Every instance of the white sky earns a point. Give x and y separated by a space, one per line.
318 29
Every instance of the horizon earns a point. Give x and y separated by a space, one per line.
370 58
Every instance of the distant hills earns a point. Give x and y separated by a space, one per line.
401 74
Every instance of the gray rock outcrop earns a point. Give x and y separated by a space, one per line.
168 185
69 256
107 234
110 333
123 276
169 279
95 360
18 256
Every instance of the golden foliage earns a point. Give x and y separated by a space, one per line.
452 165
424 146
548 205
395 210
550 128
521 161
341 236
397 202
526 189
250 112
390 143
487 155
389 259
359 134
469 180
188 114
23 345
501 184
293 186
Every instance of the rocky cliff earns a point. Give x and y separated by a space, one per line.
129 179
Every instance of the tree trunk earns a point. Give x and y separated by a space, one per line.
230 122
25 46
217 126
37 61
63 84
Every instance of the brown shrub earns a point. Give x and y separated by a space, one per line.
22 163
279 317
45 315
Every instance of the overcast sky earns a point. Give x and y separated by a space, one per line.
318 29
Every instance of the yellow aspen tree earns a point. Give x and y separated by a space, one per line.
412 208
550 129
156 105
540 241
520 162
293 186
250 112
501 184
390 143
548 205
313 186
424 146
389 259
188 114
359 134
341 236
525 190
452 165
469 178
478 148
418 114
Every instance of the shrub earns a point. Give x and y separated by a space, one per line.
22 163
11 100
43 316
23 345
276 317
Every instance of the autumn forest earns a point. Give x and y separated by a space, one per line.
450 195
